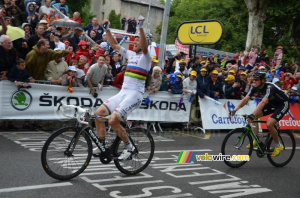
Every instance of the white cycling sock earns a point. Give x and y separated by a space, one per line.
278 144
128 145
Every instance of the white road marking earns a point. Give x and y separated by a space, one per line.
34 187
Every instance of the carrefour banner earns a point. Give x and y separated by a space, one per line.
40 102
215 116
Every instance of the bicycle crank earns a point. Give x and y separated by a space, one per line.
105 158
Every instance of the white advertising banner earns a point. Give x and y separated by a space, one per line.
215 116
40 102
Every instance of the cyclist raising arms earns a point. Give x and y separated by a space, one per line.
274 100
131 95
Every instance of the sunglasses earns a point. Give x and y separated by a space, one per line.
255 79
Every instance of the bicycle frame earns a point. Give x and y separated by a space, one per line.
248 129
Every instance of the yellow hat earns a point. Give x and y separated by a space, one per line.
154 59
193 73
272 70
215 72
203 69
182 61
230 77
202 62
179 75
243 73
231 71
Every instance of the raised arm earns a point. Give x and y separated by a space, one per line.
112 41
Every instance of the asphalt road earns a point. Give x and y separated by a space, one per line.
22 176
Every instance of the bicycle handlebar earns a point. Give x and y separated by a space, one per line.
79 110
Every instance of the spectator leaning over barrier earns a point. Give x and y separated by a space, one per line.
155 80
55 70
215 85
38 58
71 76
96 75
203 84
118 81
177 87
8 56
165 83
19 74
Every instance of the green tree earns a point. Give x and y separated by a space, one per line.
83 7
232 14
115 20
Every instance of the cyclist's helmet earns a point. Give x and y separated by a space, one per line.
148 37
259 74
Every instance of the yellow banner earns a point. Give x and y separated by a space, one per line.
200 32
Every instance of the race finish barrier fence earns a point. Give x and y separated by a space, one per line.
40 102
215 116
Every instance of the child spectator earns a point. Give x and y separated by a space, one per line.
83 49
165 83
71 77
19 74
177 87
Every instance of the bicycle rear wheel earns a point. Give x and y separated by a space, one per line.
58 159
142 156
235 143
287 139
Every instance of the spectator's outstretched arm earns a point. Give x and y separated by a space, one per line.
112 41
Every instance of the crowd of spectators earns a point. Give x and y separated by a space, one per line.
62 56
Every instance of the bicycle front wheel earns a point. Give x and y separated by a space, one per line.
287 139
141 157
235 145
65 155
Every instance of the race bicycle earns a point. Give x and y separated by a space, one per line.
68 151
236 141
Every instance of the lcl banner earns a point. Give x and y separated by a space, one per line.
40 102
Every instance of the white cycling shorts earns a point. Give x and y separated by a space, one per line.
124 102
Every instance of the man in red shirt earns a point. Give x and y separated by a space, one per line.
76 17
